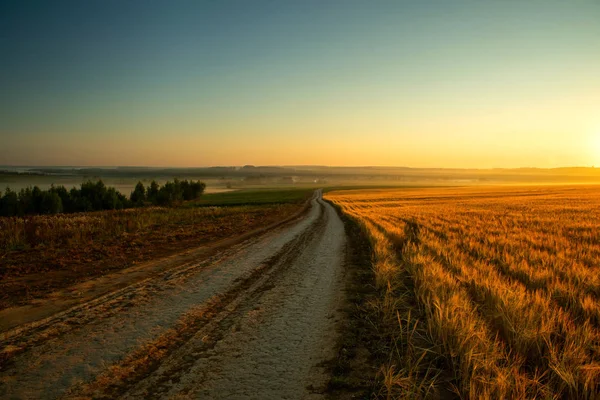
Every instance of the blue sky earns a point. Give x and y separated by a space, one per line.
457 84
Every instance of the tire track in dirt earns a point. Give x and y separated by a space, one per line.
272 321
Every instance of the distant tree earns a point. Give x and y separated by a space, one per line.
165 195
92 196
175 191
186 190
123 201
152 192
196 188
26 204
83 198
10 203
51 203
138 196
163 198
67 203
37 197
78 203
192 190
110 200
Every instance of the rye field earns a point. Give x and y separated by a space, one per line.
484 292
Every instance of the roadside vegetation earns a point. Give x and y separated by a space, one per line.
41 253
484 293
95 196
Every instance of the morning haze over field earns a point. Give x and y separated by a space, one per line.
333 199
421 84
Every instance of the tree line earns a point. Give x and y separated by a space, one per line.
95 196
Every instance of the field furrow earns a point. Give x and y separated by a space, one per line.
506 281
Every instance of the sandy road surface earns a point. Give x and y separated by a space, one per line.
255 321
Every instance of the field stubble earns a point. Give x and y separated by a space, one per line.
485 293
39 254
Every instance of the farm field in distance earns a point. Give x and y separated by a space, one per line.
484 292
43 253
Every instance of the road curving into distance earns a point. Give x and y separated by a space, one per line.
258 320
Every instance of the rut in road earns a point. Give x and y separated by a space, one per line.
273 320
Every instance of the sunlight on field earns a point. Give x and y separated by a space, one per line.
504 281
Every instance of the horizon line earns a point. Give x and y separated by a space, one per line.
290 166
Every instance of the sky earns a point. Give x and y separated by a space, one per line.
461 84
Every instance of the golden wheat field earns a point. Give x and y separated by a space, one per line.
486 292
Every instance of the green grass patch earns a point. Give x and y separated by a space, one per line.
253 197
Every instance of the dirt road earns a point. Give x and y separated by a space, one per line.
255 321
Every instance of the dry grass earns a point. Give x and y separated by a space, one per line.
496 291
43 253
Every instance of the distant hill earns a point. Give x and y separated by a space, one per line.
320 173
